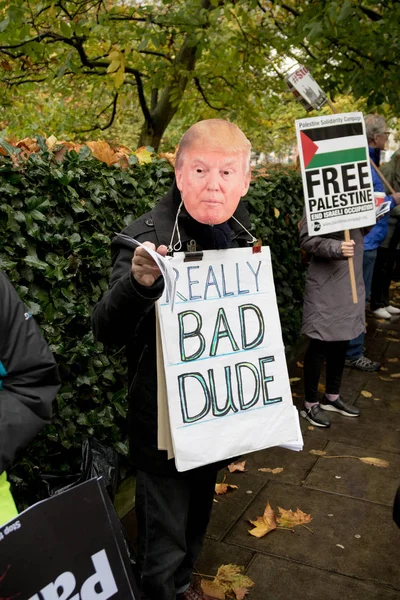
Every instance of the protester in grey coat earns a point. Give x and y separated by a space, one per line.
330 318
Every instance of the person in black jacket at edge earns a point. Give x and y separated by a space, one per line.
29 383
201 211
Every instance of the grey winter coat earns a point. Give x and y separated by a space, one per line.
329 313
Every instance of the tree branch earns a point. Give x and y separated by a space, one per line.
112 117
156 54
371 14
198 85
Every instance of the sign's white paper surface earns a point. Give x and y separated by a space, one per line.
226 375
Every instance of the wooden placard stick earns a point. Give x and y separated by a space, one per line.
347 239
381 175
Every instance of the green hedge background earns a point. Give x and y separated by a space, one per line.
57 219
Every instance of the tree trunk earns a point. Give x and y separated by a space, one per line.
150 135
162 110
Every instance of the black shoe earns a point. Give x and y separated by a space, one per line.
363 364
341 407
315 416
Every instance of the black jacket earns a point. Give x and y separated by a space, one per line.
126 316
29 378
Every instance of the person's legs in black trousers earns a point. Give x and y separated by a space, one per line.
334 353
172 516
381 280
335 358
314 359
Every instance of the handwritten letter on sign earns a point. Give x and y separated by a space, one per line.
227 382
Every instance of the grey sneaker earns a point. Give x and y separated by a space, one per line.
341 407
363 364
316 416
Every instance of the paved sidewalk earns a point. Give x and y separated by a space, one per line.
354 550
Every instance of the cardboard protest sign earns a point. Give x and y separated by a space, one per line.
69 547
336 174
306 89
225 368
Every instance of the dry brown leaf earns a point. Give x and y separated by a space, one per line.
51 142
321 388
300 365
223 488
264 524
377 399
392 360
294 379
395 375
318 452
213 589
385 378
368 460
366 394
290 519
295 395
376 462
103 151
240 466
310 428
384 369
229 581
273 471
392 339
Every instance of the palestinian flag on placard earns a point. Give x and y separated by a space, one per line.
333 145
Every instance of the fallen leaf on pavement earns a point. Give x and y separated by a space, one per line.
300 365
294 395
229 581
274 471
391 339
290 519
377 399
393 360
222 488
321 388
368 460
376 462
384 369
385 378
318 452
240 466
366 394
395 375
310 428
264 524
294 379
213 589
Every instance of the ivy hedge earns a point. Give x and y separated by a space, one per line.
57 218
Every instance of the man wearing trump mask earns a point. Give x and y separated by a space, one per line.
201 211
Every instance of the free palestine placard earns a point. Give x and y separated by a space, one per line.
336 173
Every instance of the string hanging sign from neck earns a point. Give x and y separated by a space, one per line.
178 245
